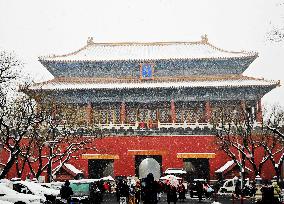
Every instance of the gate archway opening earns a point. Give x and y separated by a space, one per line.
148 164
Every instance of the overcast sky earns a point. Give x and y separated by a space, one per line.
34 28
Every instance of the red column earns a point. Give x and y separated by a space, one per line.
207 115
53 111
173 111
89 112
122 113
258 111
243 105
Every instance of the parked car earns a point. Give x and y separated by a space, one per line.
35 189
7 194
53 185
229 187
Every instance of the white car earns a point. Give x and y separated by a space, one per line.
35 189
7 194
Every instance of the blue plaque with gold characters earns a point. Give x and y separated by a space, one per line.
146 71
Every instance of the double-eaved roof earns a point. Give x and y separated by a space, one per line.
102 68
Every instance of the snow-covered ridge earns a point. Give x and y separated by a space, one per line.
148 51
77 85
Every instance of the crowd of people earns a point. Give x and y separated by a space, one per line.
149 191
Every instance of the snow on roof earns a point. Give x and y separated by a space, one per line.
107 178
147 51
225 166
73 169
65 85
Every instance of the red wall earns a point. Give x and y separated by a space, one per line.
125 165
120 145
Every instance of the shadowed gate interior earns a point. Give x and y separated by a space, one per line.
196 168
99 168
145 164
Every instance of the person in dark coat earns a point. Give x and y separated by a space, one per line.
95 194
238 188
66 191
181 191
171 193
199 189
123 190
267 193
150 190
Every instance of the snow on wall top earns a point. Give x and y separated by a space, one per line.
242 81
147 51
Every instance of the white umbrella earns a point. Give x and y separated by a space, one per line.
169 176
172 180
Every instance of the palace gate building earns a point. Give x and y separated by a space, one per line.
153 103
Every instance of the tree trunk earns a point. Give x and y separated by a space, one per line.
8 166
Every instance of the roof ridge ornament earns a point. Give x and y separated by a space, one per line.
90 41
204 39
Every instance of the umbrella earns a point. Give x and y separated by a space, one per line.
172 180
169 176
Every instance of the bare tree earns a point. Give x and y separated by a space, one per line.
276 33
242 139
16 116
56 140
15 122
234 136
274 124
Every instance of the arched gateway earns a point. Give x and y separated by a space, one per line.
149 165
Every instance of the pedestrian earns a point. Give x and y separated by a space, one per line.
208 190
276 191
238 189
171 193
181 191
199 189
123 191
131 198
66 192
137 192
150 190
267 193
94 194
106 186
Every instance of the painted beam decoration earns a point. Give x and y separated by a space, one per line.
146 71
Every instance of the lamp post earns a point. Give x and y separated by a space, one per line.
51 145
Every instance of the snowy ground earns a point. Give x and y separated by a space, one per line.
111 199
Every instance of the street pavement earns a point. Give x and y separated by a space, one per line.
111 199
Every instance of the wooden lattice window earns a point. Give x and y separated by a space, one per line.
186 116
164 115
104 116
143 115
96 116
116 114
131 115
153 115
